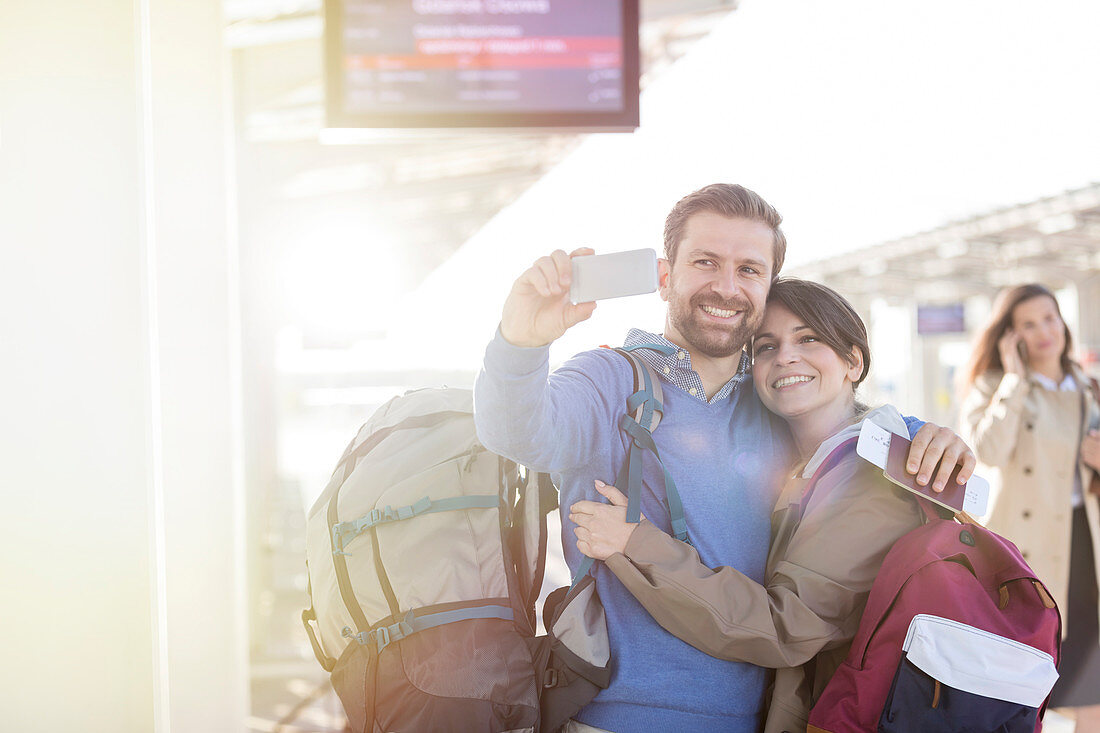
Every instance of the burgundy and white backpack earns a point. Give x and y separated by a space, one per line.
958 635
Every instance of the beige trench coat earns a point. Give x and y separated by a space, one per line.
820 568
1027 439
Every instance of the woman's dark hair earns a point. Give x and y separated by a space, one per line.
986 355
828 314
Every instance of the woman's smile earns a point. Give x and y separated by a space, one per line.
792 381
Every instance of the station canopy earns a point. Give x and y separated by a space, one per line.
1054 240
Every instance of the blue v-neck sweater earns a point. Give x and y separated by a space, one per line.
727 458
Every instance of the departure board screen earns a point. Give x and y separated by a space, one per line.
482 63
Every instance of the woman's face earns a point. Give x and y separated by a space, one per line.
795 373
1040 328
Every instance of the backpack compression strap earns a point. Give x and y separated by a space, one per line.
344 532
383 636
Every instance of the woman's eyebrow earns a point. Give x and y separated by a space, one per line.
769 334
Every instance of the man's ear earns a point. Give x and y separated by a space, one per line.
664 277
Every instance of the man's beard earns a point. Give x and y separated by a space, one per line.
712 339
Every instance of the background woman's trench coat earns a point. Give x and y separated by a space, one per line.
1027 440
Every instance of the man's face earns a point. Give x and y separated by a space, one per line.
718 284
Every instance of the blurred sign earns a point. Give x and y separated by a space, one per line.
933 319
482 63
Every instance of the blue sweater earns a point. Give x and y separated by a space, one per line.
727 458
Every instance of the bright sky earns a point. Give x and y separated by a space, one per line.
861 120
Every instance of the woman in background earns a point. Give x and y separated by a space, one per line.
1031 416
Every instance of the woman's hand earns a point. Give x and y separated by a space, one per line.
1090 450
1009 346
602 529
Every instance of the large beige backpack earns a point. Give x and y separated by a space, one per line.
425 557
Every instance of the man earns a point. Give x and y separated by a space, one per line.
723 247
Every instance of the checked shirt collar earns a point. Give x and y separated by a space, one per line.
676 368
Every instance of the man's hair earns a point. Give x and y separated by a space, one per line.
731 201
828 314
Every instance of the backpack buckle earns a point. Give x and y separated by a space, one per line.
386 635
382 638
338 531
363 637
550 679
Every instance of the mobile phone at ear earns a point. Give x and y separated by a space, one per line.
1021 347
615 275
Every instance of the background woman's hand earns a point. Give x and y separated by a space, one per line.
602 529
1090 450
1009 346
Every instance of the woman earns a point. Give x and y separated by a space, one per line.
1031 416
809 356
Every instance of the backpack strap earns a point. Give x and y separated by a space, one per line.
310 615
533 497
548 501
930 509
1094 485
647 385
836 455
644 410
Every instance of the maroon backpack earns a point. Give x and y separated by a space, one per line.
958 635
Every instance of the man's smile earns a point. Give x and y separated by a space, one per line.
719 312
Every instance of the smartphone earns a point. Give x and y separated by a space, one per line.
615 275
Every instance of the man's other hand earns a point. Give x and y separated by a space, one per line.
934 445
538 310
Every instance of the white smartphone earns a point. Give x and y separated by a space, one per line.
615 275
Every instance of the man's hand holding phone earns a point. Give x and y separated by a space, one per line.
538 310
1013 351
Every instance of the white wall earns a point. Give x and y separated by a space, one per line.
118 491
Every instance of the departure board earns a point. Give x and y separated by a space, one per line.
482 63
